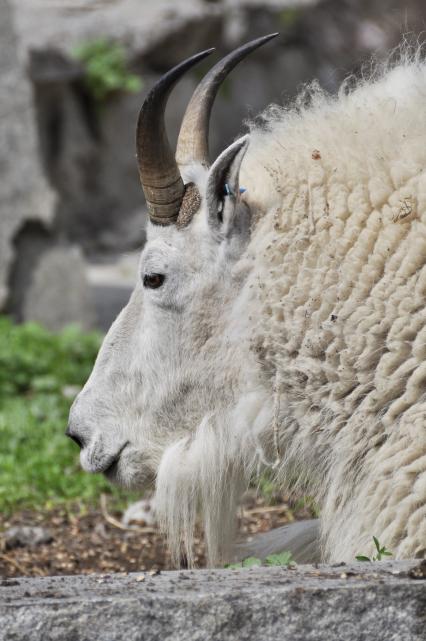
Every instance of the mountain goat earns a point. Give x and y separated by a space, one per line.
282 326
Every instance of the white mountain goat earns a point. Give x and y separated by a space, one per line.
283 327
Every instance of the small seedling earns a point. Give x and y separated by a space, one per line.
381 552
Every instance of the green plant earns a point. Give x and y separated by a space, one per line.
106 68
282 559
40 373
35 361
267 487
249 562
381 552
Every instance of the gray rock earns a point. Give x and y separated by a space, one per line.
24 193
301 538
26 536
48 281
56 292
358 602
41 278
141 512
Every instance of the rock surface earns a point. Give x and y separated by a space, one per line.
41 278
26 536
381 601
24 193
51 287
141 513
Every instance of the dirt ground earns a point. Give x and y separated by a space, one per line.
87 541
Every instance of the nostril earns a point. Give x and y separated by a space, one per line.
74 438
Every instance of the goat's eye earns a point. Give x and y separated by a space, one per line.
153 281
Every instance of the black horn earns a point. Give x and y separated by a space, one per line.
160 177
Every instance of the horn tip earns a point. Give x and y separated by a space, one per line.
203 54
269 36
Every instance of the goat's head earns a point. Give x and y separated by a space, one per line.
172 361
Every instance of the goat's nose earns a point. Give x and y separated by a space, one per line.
74 437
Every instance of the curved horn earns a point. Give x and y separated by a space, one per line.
193 141
160 177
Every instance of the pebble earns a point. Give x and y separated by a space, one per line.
26 536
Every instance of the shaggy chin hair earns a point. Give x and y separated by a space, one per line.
200 475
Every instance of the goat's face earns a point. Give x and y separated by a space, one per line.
172 364
165 363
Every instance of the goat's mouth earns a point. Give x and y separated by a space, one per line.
111 470
130 469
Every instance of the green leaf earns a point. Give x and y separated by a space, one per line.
251 562
377 544
360 557
284 558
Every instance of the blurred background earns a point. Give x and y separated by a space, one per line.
73 74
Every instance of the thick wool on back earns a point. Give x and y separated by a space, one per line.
339 256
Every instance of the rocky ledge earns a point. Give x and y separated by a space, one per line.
380 601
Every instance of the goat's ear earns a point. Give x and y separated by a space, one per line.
223 188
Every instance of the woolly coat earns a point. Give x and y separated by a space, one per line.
339 254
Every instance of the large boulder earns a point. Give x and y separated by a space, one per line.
40 278
24 193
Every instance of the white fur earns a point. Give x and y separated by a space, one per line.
303 350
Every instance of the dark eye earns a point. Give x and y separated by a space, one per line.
153 281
